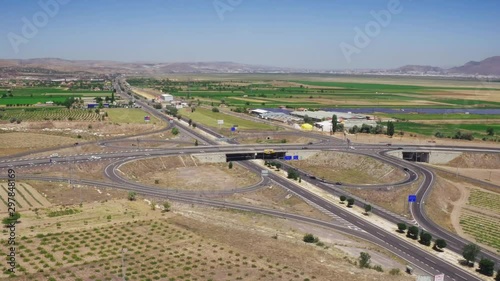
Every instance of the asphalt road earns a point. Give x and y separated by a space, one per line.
364 229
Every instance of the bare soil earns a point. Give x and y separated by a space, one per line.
349 168
392 199
273 138
444 203
198 241
184 172
277 198
86 130
26 197
17 142
62 194
418 140
90 170
477 161
487 175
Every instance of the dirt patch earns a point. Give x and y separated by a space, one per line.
392 199
193 242
444 203
184 172
309 260
487 175
81 130
418 140
349 168
91 170
273 138
476 160
17 142
147 93
279 199
59 193
26 197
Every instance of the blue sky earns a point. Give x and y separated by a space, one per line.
310 34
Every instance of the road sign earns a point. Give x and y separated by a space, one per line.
439 277
220 122
295 157
264 173
412 198
233 129
288 157
147 118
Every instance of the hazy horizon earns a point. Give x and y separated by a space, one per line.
319 35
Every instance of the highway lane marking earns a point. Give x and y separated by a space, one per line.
460 276
429 260
382 236
404 246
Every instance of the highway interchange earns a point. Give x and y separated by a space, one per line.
344 221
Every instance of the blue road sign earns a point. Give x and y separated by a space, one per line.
233 129
295 157
288 157
412 198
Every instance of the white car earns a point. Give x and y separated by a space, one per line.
54 155
94 157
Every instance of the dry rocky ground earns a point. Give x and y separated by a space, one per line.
188 243
184 172
349 168
272 138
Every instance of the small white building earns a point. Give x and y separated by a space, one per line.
166 98
324 126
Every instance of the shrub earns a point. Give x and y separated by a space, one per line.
342 198
309 238
215 109
395 271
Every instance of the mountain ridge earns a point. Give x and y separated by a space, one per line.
488 67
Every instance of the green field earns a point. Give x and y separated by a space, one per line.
294 91
129 115
28 96
452 116
386 87
209 118
478 130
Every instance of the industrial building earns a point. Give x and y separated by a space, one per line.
166 98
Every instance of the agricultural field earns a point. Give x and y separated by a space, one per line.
368 96
103 240
49 114
485 229
486 200
128 115
478 130
26 198
209 118
30 96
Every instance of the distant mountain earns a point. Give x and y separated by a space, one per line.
46 65
420 69
56 66
489 66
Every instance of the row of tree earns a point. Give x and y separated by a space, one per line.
470 252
